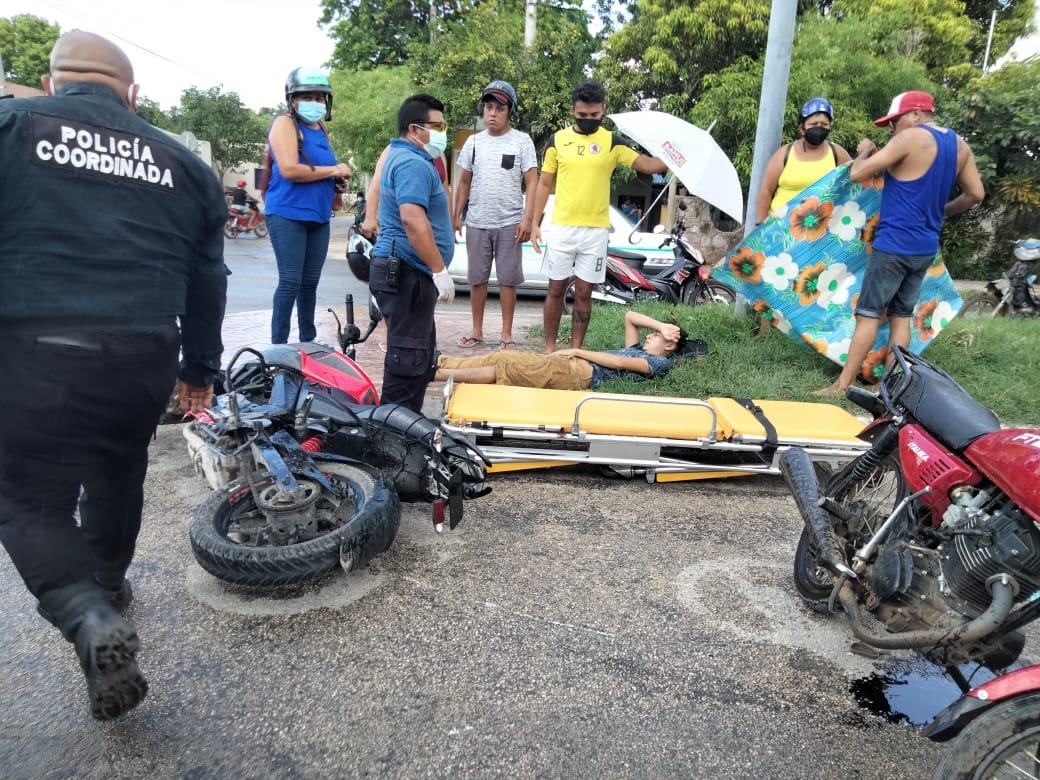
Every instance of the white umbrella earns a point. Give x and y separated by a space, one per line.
691 154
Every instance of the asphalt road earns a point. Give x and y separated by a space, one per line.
572 626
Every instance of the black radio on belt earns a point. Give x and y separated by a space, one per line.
393 269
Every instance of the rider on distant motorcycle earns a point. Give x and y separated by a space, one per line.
1026 255
243 202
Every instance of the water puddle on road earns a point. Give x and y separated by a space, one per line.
912 690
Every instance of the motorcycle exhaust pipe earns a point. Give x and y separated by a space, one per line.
1002 586
797 468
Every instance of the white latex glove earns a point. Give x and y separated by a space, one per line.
445 286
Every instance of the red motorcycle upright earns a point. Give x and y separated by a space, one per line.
242 220
930 541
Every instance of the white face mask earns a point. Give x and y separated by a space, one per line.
437 144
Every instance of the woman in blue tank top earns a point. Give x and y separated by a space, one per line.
298 201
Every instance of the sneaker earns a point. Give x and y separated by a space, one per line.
107 648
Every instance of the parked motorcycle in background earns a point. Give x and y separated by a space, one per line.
241 220
687 280
930 541
1013 295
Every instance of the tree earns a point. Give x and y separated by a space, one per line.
25 44
235 133
662 56
369 33
364 118
999 116
487 44
151 112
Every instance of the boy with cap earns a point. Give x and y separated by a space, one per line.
920 164
495 163
578 369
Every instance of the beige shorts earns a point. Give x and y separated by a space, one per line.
529 369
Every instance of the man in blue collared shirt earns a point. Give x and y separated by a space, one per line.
409 272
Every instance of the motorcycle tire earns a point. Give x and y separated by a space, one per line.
708 292
231 228
983 304
365 525
1004 741
260 229
871 500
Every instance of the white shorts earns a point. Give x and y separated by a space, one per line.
576 251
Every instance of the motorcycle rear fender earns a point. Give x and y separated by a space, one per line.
1011 458
952 720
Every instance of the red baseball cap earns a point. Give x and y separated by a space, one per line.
498 96
904 103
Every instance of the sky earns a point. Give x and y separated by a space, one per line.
244 47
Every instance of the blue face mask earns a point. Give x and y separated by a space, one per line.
310 111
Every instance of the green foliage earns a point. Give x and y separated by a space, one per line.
999 116
487 44
664 53
994 360
364 116
25 44
370 33
151 112
235 133
829 60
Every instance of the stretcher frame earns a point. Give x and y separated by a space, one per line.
663 438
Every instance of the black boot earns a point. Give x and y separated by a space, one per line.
105 643
117 589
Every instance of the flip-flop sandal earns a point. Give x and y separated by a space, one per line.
506 345
468 342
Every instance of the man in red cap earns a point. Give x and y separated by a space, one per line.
920 163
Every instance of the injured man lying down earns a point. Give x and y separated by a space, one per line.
578 369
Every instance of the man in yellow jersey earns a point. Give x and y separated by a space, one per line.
584 155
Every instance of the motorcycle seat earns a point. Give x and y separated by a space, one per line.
945 408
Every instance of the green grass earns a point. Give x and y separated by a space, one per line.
997 361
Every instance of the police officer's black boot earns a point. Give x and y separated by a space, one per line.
116 587
105 643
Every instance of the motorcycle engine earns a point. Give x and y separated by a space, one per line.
920 584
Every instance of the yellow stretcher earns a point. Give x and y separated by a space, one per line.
665 438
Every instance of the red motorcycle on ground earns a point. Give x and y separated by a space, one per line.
309 471
930 541
243 220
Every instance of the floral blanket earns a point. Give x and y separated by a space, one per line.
803 270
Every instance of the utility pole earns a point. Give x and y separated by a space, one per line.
3 78
989 41
773 98
433 21
530 22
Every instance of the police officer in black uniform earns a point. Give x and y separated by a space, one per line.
110 235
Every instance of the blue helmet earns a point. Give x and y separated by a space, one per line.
304 79
817 105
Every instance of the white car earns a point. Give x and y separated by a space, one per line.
535 280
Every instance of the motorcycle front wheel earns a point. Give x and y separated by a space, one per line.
983 304
260 228
1003 742
232 538
231 227
868 501
699 293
